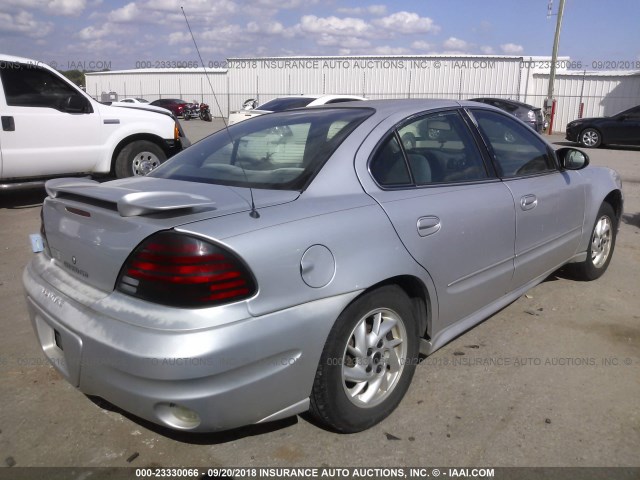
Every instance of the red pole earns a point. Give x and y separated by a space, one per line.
581 110
553 114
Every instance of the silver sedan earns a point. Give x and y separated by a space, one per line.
303 261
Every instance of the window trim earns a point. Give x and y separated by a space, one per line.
491 153
492 176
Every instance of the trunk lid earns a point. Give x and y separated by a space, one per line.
91 228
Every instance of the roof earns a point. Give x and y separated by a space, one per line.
198 70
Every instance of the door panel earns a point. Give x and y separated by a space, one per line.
454 218
468 245
549 204
46 140
548 230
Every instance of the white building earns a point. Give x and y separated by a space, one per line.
417 76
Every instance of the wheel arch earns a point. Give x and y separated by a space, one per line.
614 198
133 138
419 295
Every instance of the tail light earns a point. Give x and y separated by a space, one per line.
179 270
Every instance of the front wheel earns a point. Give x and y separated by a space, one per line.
590 138
600 251
138 158
367 363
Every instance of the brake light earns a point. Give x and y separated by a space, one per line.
183 271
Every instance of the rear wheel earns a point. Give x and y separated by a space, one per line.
138 158
367 363
600 251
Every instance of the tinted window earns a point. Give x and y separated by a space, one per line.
32 86
516 149
388 166
280 151
440 148
342 100
281 104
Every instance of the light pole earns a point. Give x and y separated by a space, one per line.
554 60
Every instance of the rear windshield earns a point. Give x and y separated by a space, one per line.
280 151
287 103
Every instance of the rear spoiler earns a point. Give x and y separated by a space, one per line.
127 202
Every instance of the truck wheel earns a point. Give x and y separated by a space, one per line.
138 158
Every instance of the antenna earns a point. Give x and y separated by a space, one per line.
254 213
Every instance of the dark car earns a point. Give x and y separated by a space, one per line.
529 114
620 129
175 105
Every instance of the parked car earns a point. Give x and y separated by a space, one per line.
134 100
174 105
532 116
52 128
620 129
281 104
302 260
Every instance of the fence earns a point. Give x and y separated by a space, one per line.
454 77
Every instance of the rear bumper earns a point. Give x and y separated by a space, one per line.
241 371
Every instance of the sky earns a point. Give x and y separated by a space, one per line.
96 34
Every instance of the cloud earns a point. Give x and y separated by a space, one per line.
388 50
284 4
66 7
453 43
512 48
129 13
52 7
422 45
376 10
407 23
24 23
347 26
487 50
105 30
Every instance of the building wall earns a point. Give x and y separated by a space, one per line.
600 93
428 76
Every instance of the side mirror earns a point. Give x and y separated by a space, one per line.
75 104
621 118
249 104
572 158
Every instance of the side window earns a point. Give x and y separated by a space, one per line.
441 149
388 166
31 86
517 150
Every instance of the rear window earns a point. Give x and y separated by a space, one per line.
280 151
288 103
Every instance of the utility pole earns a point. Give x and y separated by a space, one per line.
554 58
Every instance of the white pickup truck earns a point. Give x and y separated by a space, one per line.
51 128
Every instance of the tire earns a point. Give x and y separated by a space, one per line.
590 138
601 246
362 378
207 117
138 158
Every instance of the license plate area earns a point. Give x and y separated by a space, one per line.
62 347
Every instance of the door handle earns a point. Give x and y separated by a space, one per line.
528 202
428 225
8 124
